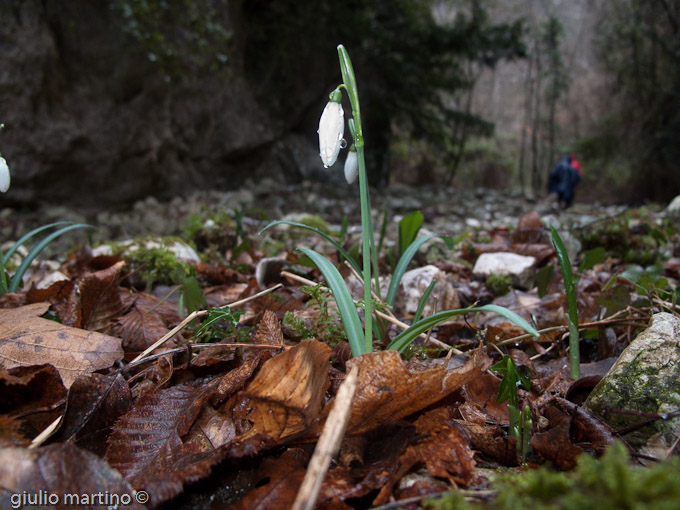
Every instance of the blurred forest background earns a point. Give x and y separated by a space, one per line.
108 101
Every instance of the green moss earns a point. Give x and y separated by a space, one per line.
156 265
611 483
499 284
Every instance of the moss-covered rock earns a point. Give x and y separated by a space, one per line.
645 378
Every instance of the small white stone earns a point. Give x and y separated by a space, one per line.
520 268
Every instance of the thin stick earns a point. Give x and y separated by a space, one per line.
195 315
42 437
329 443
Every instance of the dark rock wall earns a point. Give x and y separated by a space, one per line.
89 121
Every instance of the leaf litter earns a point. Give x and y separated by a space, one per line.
233 422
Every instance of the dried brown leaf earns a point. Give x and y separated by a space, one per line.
23 390
388 391
148 303
139 329
27 339
146 447
288 392
64 469
58 291
92 405
277 482
444 449
269 330
100 300
529 229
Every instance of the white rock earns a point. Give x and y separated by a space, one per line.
473 222
520 268
413 285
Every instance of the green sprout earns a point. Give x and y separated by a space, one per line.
570 289
520 421
331 131
12 285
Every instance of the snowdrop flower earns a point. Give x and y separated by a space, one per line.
4 175
351 165
331 129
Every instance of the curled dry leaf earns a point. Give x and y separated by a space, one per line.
288 392
24 389
64 469
27 339
100 300
388 391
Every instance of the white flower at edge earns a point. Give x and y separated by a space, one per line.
331 130
351 167
4 175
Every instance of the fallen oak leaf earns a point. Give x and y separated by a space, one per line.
27 339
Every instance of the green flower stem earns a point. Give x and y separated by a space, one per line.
366 221
366 231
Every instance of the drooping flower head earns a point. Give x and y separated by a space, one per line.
4 175
331 129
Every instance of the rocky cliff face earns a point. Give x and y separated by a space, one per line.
90 121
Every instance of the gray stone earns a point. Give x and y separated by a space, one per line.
645 378
413 285
520 268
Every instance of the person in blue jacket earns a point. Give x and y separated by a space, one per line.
563 179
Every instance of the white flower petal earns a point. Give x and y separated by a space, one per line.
351 167
4 175
331 130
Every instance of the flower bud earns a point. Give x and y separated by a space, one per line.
4 175
351 165
331 130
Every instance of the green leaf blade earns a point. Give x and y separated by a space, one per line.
346 306
405 260
404 339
